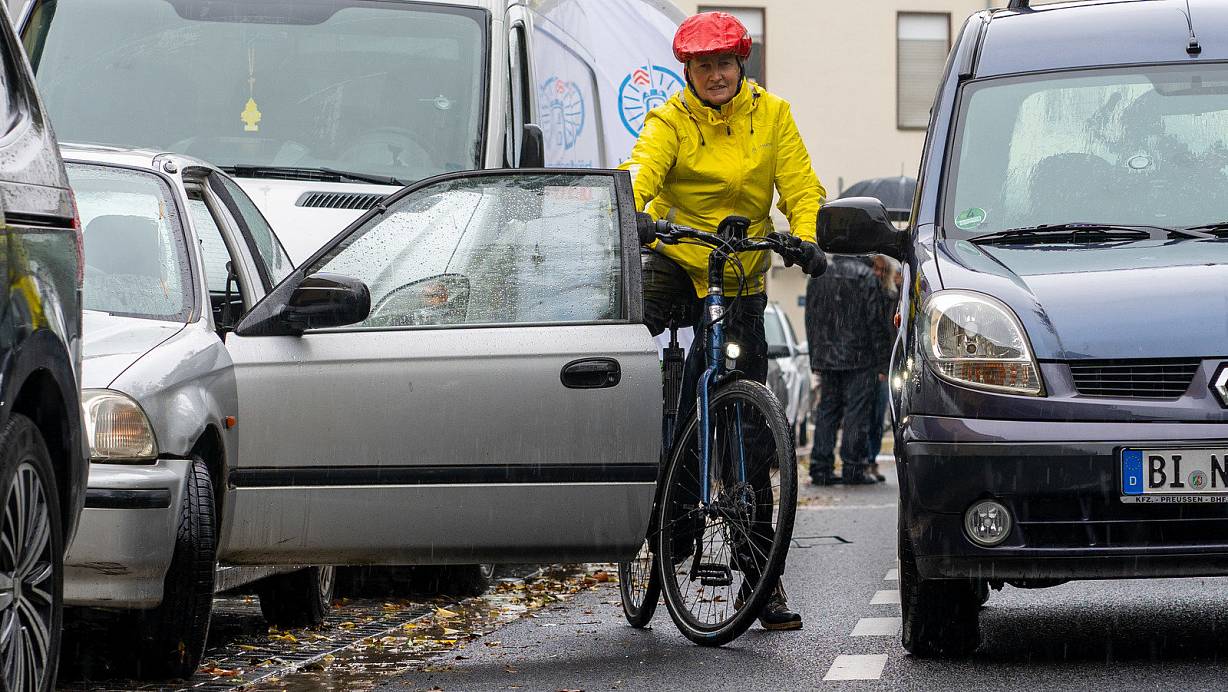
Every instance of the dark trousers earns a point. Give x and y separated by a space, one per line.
875 436
846 401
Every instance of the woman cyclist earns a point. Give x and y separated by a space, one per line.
722 147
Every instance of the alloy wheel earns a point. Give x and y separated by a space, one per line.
27 572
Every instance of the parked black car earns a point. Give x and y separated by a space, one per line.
1060 382
42 443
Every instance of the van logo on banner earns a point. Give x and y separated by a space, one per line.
562 112
647 87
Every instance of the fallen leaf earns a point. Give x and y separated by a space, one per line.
509 669
445 613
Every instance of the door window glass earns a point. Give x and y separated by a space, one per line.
491 250
264 243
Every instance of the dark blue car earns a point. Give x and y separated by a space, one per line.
1060 379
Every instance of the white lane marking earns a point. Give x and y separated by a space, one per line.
848 667
877 627
892 575
885 597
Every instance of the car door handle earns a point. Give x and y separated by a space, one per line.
591 373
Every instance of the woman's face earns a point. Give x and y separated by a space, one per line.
715 77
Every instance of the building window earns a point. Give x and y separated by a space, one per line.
752 19
922 43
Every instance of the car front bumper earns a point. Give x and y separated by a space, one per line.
1061 482
126 536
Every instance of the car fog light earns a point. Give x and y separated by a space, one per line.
988 523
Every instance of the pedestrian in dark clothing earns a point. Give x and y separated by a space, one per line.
847 337
889 298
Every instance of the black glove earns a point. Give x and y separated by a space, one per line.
646 227
812 260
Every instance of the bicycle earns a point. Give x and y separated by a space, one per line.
727 486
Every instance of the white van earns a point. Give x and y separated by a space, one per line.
320 108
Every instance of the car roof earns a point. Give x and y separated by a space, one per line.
1104 32
150 159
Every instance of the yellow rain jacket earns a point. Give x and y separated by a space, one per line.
695 165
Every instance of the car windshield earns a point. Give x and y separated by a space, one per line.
393 89
1119 146
135 261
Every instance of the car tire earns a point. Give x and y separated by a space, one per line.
298 599
941 616
173 635
30 500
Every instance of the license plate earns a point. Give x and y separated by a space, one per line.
1174 475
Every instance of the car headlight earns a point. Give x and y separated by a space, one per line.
117 428
975 340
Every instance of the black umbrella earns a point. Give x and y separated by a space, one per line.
895 194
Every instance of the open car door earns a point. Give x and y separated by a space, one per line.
460 376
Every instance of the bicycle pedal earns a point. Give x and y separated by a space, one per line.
713 574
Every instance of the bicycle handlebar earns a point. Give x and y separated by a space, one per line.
786 245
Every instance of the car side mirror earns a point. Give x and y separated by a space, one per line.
327 300
860 226
778 351
533 147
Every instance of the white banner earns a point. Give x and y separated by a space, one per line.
601 65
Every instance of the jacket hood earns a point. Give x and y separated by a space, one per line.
112 343
1148 299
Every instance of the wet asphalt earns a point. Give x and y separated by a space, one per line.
1144 634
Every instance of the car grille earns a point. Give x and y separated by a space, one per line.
339 200
1135 379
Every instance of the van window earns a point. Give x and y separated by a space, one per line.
387 88
1123 146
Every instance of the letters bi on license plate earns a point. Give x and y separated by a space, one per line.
1174 475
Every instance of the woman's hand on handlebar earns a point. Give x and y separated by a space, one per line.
806 255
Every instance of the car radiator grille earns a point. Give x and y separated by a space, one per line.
339 200
1136 379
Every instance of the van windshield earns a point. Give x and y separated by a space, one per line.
1134 146
393 89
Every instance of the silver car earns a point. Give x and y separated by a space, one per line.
788 371
175 254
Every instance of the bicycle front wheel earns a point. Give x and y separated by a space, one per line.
639 584
720 562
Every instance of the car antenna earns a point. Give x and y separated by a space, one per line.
1193 47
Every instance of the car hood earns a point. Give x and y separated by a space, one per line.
1148 299
303 230
112 343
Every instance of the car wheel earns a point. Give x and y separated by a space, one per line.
298 599
173 634
940 615
31 559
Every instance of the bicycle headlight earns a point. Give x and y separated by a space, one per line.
733 351
975 340
117 428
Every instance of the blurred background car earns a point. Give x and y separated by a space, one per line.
175 253
788 371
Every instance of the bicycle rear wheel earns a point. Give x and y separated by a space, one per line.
720 563
639 584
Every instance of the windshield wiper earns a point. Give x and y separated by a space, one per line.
307 173
1091 232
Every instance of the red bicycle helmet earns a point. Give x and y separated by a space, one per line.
711 33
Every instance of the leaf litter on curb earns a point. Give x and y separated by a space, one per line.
432 642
